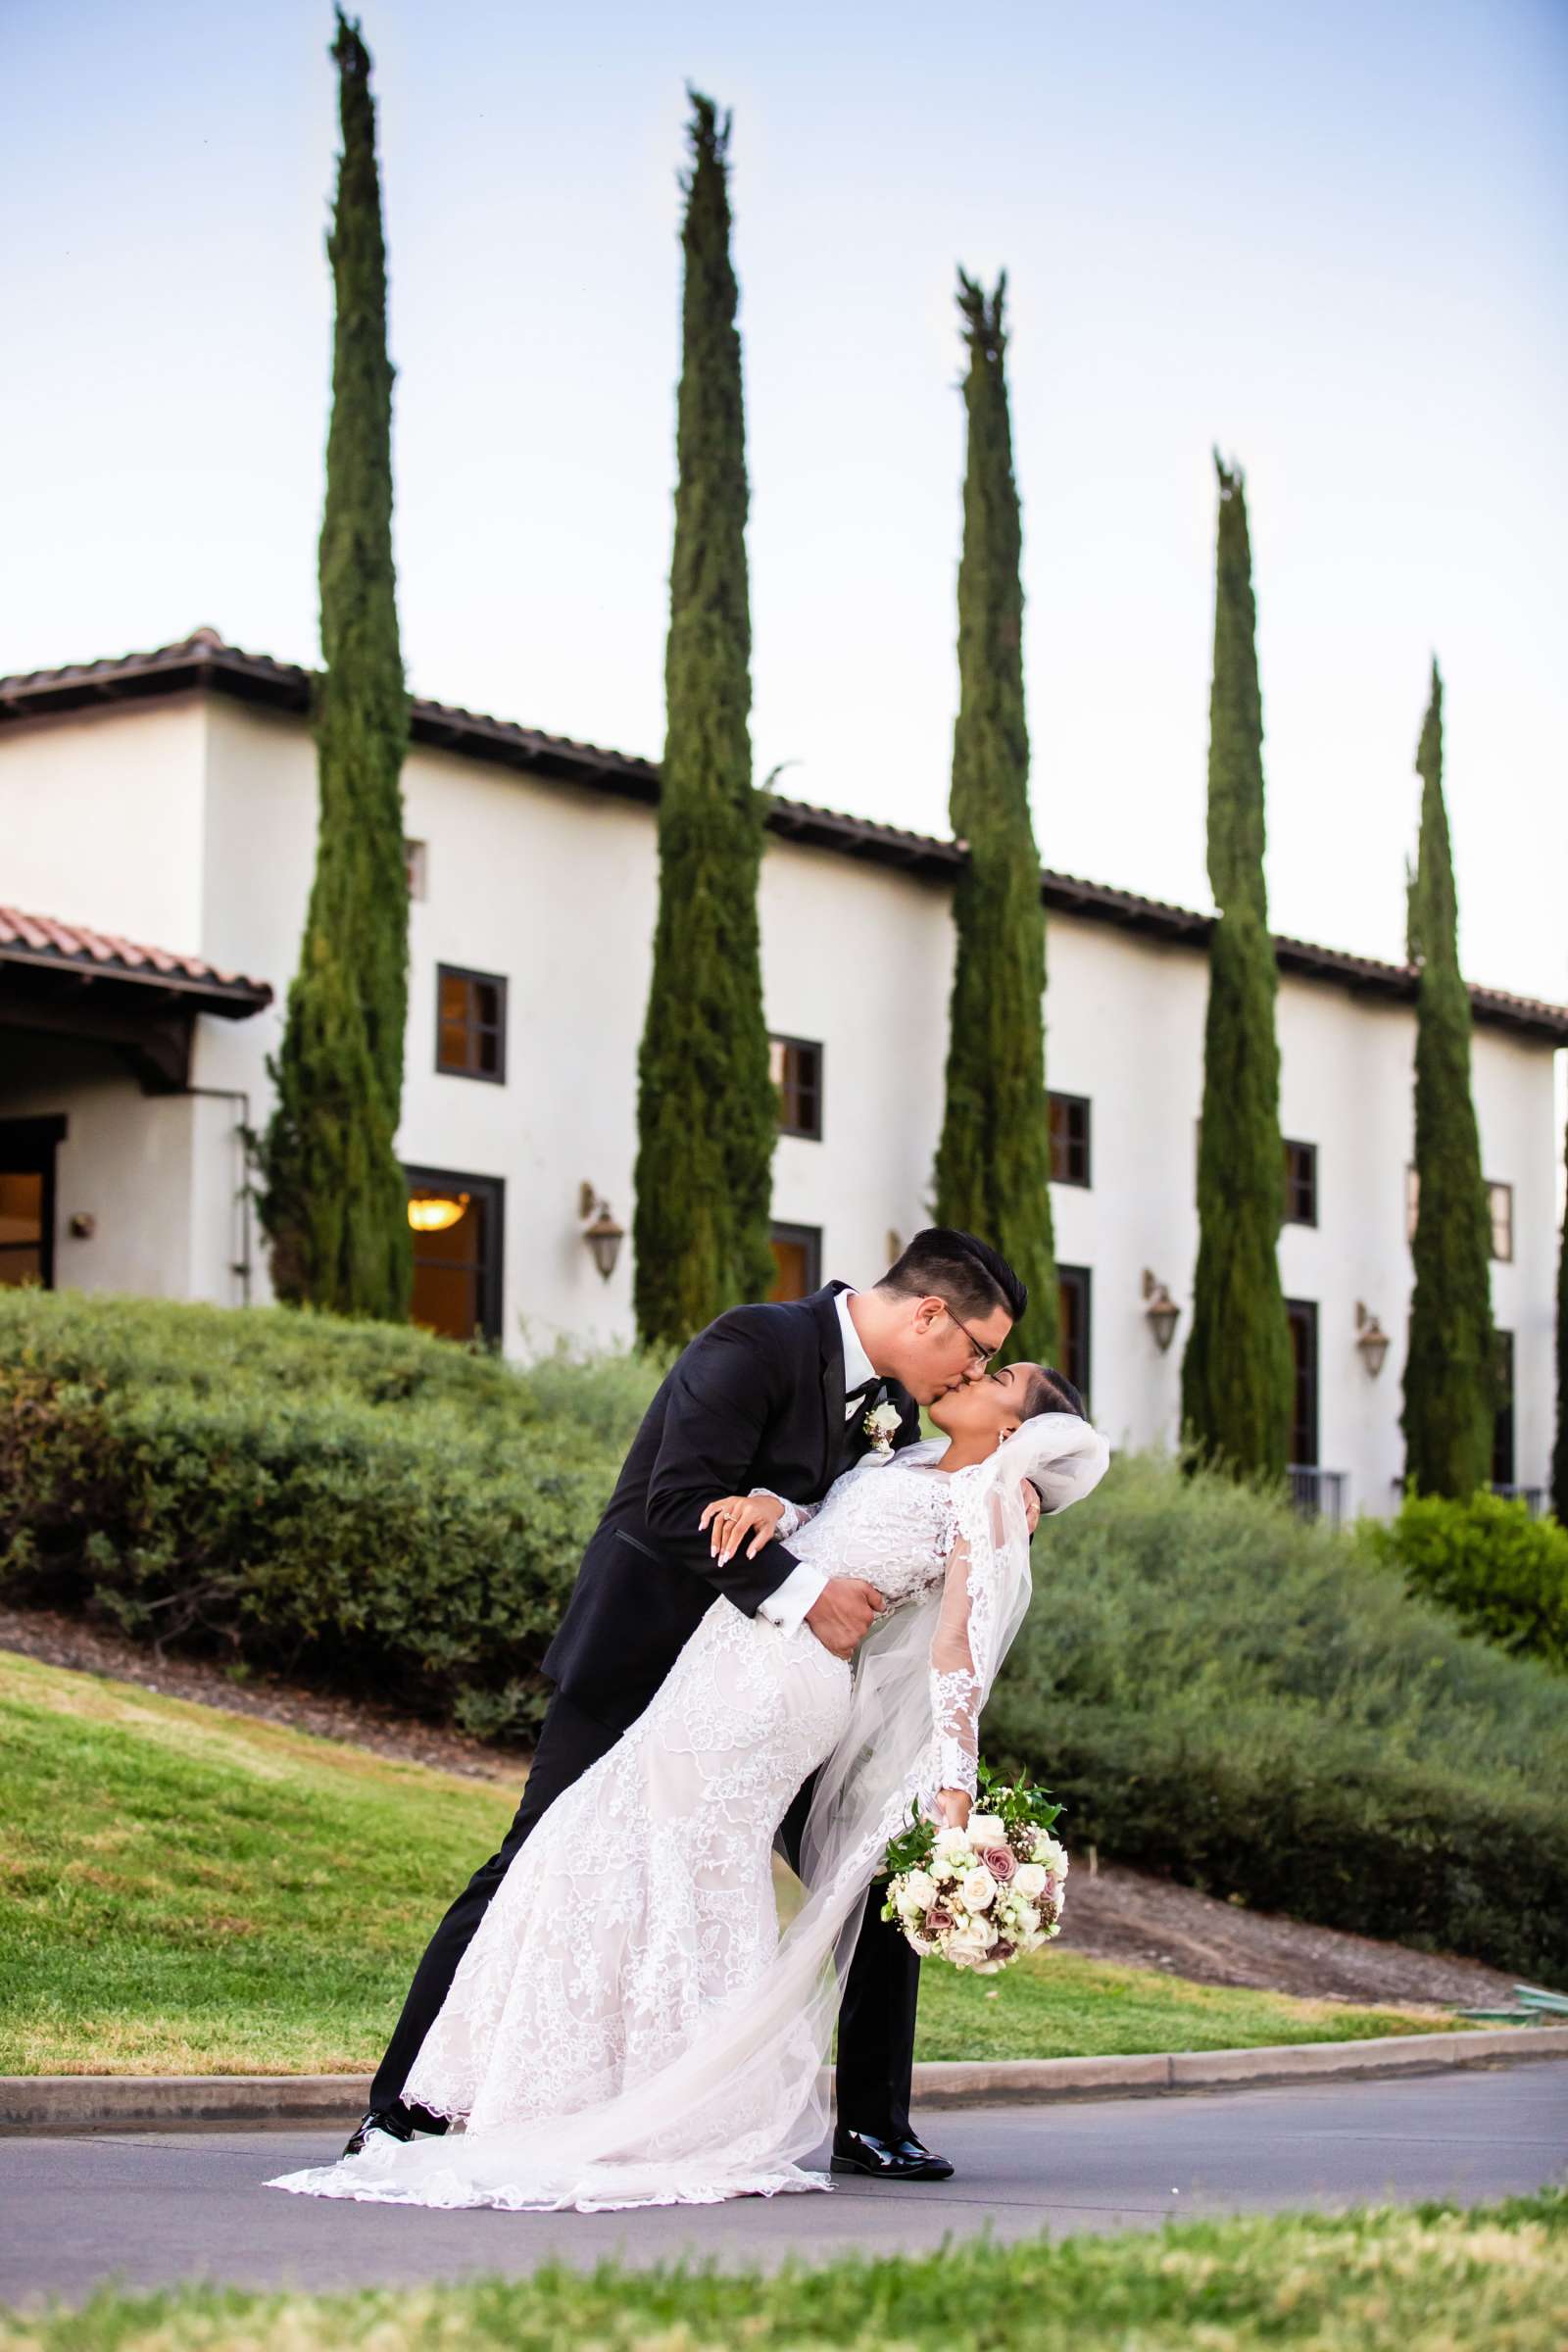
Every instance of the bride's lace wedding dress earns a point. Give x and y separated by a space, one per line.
627 2026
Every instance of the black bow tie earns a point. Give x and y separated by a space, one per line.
858 1397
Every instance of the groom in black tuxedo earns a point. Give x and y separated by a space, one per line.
768 1397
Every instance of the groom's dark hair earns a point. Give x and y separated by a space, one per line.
967 1273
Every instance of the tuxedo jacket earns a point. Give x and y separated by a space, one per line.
756 1400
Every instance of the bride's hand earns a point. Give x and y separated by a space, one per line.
953 1806
728 1520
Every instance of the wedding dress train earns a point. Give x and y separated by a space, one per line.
629 2025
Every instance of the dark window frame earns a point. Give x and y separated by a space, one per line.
457 1069
1080 1279
492 1272
29 1148
809 1238
1495 1186
1084 1142
1504 1451
1304 1316
1293 1181
802 1044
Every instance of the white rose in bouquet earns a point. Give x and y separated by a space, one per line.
1031 1880
987 1829
919 1891
954 1845
1051 1854
969 1945
978 1889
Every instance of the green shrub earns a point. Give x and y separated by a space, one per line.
1502 1572
355 1502
1221 1692
1215 1689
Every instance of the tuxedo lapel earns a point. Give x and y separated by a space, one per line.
831 1344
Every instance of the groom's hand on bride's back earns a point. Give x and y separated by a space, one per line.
842 1616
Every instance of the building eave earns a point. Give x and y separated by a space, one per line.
204 662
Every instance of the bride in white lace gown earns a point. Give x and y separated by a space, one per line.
629 2025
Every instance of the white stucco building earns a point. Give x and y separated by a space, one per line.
170 798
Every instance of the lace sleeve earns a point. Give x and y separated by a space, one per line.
796 1514
955 1683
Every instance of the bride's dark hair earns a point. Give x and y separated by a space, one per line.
1051 1392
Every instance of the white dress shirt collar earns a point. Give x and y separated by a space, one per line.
857 1365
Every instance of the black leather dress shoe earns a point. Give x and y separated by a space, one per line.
886 2159
393 2121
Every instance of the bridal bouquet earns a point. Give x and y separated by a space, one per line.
979 1897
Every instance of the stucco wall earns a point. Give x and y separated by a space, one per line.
102 819
194 827
126 1162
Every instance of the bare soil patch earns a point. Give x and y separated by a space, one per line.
1112 1913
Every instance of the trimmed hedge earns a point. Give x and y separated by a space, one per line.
353 1502
1215 1689
1501 1571
1219 1690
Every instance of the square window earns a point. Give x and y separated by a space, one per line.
471 1024
1070 1137
797 1260
1301 1183
795 1064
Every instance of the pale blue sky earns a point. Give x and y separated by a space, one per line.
1333 239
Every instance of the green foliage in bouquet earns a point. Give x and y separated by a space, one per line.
1017 1804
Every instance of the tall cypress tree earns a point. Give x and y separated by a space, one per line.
334 1201
706 1112
1236 1373
993 1172
1449 1373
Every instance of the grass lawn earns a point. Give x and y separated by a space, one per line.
1422 2280
190 1891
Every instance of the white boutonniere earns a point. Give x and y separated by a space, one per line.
881 1425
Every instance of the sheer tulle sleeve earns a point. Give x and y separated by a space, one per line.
955 1684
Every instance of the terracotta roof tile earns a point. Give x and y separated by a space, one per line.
44 939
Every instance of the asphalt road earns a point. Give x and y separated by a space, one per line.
150 2209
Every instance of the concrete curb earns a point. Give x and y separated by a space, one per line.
160 2102
969 2084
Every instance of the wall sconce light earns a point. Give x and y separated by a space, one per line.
1373 1341
603 1236
436 1213
83 1225
1161 1311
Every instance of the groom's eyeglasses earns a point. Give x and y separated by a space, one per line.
982 1356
